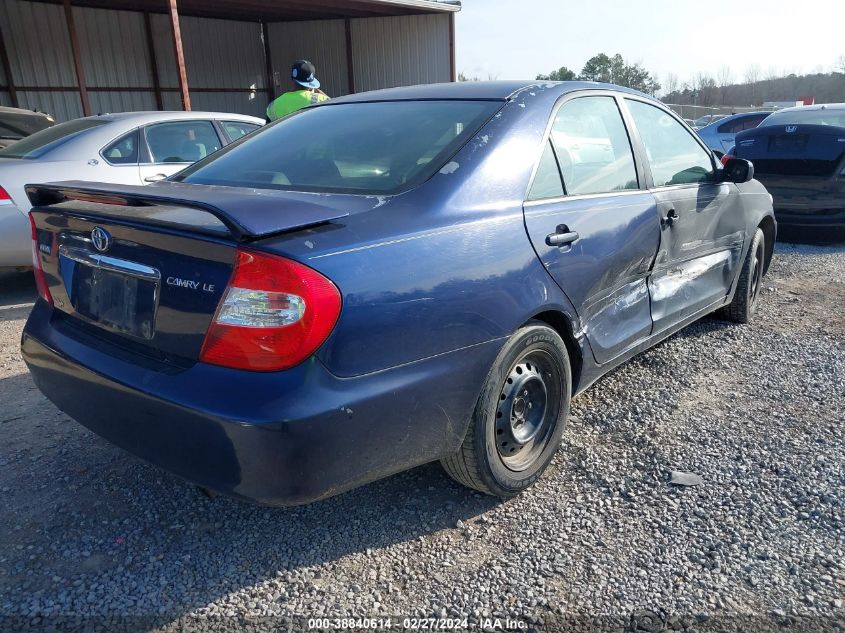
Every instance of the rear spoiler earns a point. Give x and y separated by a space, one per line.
246 213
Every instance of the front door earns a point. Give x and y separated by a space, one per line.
174 145
595 230
701 232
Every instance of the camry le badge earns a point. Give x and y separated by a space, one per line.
101 239
791 128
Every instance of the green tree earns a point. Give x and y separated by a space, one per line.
561 74
615 70
597 68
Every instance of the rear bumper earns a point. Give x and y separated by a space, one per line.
808 209
15 238
275 438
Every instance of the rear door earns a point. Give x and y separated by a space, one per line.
701 227
173 145
595 230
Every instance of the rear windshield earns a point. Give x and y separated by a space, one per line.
40 143
806 117
374 148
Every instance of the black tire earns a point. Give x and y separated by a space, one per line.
744 303
509 444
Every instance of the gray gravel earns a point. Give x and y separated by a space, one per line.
756 412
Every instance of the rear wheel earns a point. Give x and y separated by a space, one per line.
519 418
744 303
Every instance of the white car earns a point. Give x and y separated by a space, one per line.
129 148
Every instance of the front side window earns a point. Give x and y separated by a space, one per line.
181 141
674 155
376 148
40 143
592 147
124 151
237 129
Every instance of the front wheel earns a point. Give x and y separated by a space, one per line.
519 418
744 303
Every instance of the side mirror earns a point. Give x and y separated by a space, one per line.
738 170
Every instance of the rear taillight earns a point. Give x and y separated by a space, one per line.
274 314
40 279
725 159
5 198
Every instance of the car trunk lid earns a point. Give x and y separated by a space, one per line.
146 270
810 151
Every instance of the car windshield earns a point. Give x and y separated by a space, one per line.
374 148
814 117
40 143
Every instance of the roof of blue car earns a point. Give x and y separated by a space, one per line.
494 90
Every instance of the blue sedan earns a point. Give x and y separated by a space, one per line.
719 135
387 279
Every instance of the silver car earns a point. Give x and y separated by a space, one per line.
131 148
719 135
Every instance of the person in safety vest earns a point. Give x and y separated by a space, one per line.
307 93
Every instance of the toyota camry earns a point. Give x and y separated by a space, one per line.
388 279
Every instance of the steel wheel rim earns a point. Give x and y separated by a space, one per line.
527 411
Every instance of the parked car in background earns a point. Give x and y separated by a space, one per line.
17 123
719 135
386 279
799 154
131 148
707 119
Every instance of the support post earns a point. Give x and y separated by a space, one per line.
7 70
77 59
151 49
180 56
268 64
350 63
453 75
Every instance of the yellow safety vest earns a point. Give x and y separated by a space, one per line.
293 101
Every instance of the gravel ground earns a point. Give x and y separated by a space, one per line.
757 411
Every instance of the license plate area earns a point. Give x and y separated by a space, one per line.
119 295
788 142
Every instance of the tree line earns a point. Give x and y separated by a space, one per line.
613 70
756 87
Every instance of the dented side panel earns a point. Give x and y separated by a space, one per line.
700 249
605 271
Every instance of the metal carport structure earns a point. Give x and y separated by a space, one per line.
78 57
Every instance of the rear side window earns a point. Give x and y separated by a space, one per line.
741 123
828 116
592 147
42 142
181 141
547 182
237 129
377 148
674 155
124 151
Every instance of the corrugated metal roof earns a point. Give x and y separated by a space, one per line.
113 47
400 51
25 24
322 42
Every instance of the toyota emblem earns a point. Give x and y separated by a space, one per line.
101 239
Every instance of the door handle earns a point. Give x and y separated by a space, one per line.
155 178
671 217
562 236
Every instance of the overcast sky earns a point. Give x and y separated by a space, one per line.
517 39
